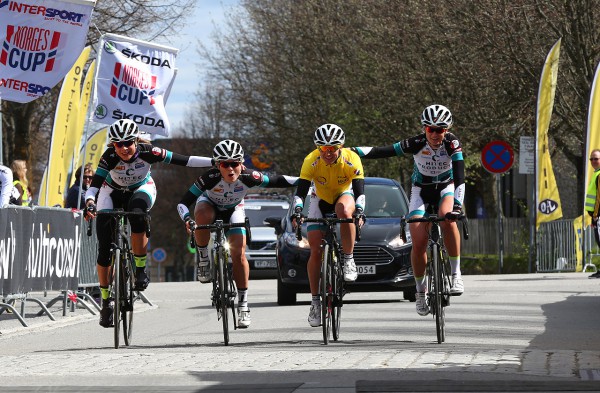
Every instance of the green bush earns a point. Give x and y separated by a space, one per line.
488 264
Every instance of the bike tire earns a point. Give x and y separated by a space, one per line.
223 295
338 294
128 299
438 284
117 289
326 294
232 293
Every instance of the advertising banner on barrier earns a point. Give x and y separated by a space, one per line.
39 44
39 250
132 82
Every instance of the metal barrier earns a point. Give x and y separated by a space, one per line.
556 245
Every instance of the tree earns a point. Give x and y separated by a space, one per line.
285 67
27 128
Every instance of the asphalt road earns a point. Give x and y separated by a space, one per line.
536 332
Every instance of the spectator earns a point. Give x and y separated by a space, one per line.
6 185
75 195
19 171
592 201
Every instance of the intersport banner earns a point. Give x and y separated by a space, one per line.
40 42
132 82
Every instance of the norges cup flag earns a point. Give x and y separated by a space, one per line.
132 82
40 41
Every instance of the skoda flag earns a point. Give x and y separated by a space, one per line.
40 42
132 82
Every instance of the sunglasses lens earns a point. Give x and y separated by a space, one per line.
124 144
329 148
436 130
88 177
234 164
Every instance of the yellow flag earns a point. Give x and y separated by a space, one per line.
547 198
95 147
65 127
86 92
593 129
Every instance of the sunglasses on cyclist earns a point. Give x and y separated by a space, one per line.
594 159
330 149
437 130
124 143
229 164
88 177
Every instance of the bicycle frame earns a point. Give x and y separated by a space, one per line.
224 290
332 281
438 268
122 273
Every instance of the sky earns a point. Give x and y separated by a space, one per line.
199 27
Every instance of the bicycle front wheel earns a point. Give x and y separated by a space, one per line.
128 297
223 301
438 289
117 290
337 281
326 294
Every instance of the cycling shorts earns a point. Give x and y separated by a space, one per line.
431 194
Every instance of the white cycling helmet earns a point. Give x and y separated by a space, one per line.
228 150
329 135
437 116
123 130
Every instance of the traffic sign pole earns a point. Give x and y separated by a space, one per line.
497 157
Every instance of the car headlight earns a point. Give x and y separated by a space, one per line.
290 240
397 242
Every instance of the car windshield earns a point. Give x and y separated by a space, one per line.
257 213
382 201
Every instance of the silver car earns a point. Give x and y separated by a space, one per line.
261 253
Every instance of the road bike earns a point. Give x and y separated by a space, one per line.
123 273
331 284
224 290
438 267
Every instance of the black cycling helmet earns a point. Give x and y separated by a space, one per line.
329 135
437 116
228 150
123 130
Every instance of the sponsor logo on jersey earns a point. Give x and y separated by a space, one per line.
256 174
133 85
238 188
29 48
139 165
321 180
455 144
218 190
357 172
120 167
426 152
157 151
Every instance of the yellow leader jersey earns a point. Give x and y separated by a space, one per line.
330 181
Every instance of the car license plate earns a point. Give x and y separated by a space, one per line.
365 269
265 264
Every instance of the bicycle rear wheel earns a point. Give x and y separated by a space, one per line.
338 293
117 290
128 298
223 301
326 294
438 288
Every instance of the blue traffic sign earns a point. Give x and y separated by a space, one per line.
497 157
159 254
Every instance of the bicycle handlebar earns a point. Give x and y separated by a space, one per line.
327 221
218 225
435 218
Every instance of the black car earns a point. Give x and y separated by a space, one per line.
382 258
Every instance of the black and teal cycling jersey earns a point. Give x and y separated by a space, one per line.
431 166
132 174
227 195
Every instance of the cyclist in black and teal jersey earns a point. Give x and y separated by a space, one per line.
219 194
438 178
123 180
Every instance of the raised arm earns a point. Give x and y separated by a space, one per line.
378 152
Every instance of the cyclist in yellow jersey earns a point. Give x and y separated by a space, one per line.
338 186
